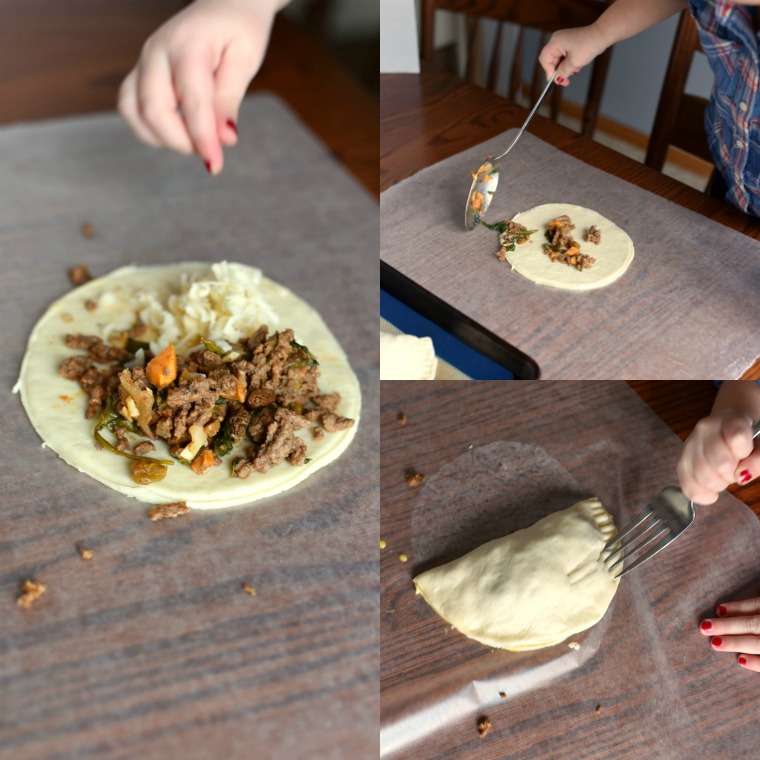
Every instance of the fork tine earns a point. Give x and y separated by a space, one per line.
644 557
644 524
634 523
660 528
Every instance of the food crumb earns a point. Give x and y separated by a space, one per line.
87 230
250 590
574 645
90 305
163 511
402 558
594 235
598 709
484 726
84 552
401 419
382 543
66 317
414 479
79 274
31 591
503 694
143 448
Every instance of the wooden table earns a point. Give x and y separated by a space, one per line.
429 117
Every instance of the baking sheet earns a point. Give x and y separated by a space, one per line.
686 307
152 648
496 458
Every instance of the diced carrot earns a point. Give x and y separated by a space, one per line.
162 369
477 200
203 461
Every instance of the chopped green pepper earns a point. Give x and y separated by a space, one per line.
109 419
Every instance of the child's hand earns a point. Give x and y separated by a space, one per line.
736 629
185 91
717 453
578 47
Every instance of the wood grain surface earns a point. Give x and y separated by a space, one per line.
644 681
153 648
435 115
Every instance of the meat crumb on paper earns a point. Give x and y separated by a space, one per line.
31 591
164 511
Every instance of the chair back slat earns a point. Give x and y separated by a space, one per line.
679 120
547 16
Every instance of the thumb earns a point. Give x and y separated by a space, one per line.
565 70
748 468
233 75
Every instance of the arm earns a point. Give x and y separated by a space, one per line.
719 451
623 19
185 91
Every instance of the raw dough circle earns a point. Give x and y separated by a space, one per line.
613 255
56 406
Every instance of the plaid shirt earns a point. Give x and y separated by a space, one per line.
732 120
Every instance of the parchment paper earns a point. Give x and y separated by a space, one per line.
516 455
152 649
686 308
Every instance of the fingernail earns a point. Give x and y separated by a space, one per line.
560 80
231 124
716 641
742 660
207 164
744 476
705 625
721 610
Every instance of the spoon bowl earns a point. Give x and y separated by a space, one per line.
486 178
484 183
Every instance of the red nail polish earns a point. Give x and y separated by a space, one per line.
705 625
721 610
742 660
231 124
744 476
716 641
207 164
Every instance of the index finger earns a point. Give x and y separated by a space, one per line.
194 82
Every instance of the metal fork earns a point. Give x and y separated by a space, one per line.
662 521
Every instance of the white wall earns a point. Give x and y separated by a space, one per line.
399 48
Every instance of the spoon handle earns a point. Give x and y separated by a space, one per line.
530 116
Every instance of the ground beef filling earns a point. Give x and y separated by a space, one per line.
260 393
561 247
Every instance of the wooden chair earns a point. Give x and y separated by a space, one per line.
547 16
680 117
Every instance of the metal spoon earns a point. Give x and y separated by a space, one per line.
486 178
